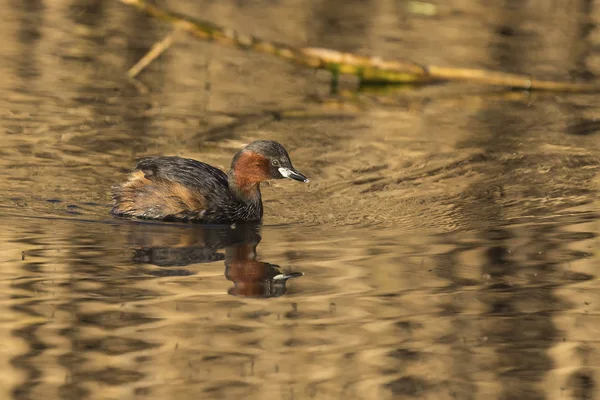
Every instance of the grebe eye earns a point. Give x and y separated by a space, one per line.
275 163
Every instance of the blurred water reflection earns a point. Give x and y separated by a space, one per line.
170 245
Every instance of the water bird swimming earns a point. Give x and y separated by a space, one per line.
182 189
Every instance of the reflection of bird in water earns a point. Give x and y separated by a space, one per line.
170 245
252 278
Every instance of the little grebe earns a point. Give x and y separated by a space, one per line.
181 189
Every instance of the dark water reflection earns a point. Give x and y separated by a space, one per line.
180 245
448 240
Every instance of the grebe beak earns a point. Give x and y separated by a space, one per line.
293 174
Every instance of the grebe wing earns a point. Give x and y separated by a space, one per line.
185 171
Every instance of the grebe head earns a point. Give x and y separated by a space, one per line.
263 160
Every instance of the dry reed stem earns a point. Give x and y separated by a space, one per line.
368 69
157 49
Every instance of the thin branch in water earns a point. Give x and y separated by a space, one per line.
368 69
157 49
140 87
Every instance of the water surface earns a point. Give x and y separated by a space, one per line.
445 248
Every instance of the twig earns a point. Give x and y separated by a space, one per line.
157 49
368 69
516 81
141 88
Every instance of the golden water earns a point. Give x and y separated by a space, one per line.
448 238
